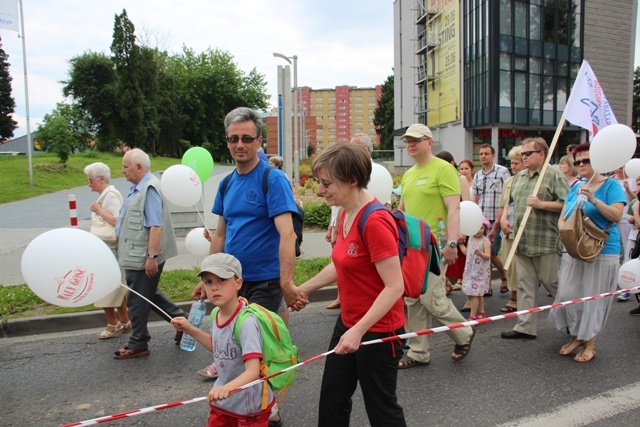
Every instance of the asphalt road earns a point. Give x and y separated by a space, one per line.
53 379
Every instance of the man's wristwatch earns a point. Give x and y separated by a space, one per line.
452 245
152 256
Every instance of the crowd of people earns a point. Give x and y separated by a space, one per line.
253 256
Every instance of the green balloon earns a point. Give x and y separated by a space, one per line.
200 160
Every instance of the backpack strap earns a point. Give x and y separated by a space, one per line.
265 179
371 207
225 183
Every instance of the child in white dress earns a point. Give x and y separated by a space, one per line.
476 279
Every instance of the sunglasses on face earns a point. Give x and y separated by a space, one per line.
246 139
528 153
586 161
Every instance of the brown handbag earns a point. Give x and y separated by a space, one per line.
581 237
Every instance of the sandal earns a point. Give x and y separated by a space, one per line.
570 347
488 294
509 308
461 351
105 335
584 357
503 286
130 353
448 289
457 286
126 326
409 362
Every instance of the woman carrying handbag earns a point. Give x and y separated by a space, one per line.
577 278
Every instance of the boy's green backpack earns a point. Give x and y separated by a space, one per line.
278 352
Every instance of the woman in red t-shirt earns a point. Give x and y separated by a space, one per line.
371 287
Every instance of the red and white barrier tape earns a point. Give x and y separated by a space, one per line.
73 211
149 409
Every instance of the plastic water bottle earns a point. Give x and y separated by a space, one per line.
582 199
196 315
441 234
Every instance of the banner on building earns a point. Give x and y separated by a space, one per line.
9 15
587 106
443 92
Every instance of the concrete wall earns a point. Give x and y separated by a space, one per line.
609 46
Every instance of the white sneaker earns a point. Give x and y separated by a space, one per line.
624 296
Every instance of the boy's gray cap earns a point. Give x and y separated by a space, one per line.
222 265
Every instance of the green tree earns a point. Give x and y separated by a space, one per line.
635 114
383 115
131 104
7 103
64 131
92 85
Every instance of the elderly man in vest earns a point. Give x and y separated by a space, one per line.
145 242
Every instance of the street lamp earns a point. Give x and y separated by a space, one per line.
296 135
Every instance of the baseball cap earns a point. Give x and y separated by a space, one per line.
417 130
486 223
222 265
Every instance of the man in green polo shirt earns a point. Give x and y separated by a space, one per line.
536 259
431 190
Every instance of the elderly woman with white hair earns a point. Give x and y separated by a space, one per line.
104 214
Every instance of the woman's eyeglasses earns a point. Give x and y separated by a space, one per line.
586 161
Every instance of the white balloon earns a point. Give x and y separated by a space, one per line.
69 267
181 186
632 168
196 242
612 147
470 218
629 274
381 183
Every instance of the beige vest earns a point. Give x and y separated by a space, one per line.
133 238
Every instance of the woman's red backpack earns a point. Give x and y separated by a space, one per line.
417 248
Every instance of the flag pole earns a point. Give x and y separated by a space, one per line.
26 95
536 188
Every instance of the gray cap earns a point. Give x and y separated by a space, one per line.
418 130
222 265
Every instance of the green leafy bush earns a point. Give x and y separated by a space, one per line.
318 214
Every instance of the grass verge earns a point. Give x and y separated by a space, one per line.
19 301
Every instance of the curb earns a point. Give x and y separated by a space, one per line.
96 320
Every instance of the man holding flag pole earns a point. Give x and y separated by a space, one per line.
588 108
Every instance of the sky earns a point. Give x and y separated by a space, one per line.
338 42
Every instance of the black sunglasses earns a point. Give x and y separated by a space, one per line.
586 161
246 139
528 153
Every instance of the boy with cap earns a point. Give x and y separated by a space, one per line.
237 363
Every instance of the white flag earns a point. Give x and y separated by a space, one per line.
9 15
587 106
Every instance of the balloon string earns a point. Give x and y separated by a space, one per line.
147 300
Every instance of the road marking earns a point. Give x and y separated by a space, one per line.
585 411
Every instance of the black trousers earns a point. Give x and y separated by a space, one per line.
376 368
139 308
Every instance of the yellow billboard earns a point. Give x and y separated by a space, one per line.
443 95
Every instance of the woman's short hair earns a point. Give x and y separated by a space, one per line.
568 160
277 161
447 157
98 170
468 162
516 152
344 163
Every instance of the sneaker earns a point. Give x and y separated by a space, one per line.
624 296
209 372
635 311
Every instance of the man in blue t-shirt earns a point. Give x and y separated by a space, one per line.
253 226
